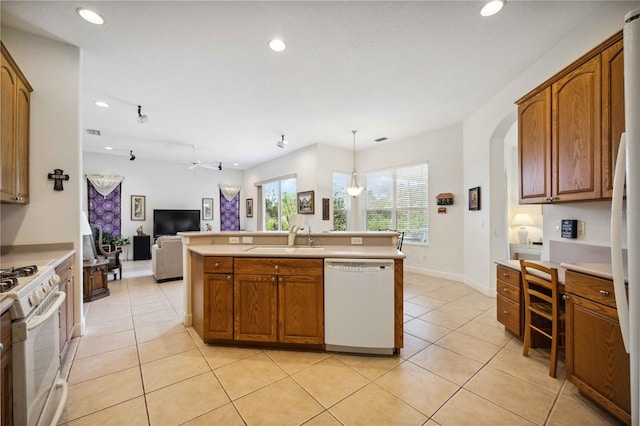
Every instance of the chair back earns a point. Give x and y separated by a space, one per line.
97 240
539 281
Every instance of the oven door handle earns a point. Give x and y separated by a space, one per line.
53 309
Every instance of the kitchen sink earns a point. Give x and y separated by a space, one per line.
285 249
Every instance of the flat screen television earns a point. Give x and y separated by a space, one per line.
170 222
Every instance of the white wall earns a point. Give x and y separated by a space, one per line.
165 186
481 126
54 71
442 149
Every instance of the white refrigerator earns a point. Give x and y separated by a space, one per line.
628 163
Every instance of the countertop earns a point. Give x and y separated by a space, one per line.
240 250
50 258
600 270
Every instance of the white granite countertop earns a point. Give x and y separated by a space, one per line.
240 250
600 270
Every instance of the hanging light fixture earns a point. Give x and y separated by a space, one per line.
142 118
354 189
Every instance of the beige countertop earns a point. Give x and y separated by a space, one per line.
600 270
50 258
240 250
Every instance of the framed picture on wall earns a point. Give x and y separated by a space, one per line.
249 207
138 207
474 198
305 202
207 209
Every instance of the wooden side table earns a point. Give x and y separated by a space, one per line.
94 279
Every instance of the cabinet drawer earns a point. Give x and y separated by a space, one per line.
277 266
508 314
509 275
592 288
214 264
507 290
65 269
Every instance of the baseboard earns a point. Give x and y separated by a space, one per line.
164 280
434 273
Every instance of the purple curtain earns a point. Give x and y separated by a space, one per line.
230 213
105 211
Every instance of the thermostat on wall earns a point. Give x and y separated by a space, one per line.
569 228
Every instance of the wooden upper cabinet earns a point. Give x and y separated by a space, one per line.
534 135
612 112
585 105
14 150
576 135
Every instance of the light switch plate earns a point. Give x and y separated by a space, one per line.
247 240
356 240
234 240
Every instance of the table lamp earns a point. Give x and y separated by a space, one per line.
87 242
522 220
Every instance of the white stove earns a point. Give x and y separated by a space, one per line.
28 286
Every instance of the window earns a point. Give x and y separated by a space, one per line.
279 204
399 199
340 182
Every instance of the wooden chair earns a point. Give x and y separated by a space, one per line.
113 256
544 312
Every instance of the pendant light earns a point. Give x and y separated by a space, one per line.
354 189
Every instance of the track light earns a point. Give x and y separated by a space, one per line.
131 156
142 118
282 142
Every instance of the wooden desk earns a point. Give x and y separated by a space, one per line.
94 280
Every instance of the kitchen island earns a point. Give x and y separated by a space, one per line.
253 289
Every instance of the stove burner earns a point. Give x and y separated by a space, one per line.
23 271
7 283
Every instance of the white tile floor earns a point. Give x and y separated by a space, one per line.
137 364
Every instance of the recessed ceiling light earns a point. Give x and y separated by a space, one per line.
492 7
277 45
90 16
236 164
102 104
108 148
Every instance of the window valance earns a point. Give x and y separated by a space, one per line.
104 184
229 190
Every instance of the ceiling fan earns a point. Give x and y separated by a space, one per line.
194 163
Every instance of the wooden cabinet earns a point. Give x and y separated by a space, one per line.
575 149
534 146
94 280
569 129
65 272
15 107
596 361
279 300
508 293
612 112
6 371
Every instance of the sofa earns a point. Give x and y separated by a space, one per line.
166 258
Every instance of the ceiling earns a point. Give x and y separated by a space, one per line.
204 74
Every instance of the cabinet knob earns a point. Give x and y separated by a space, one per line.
276 266
604 292
228 277
504 274
273 278
280 279
215 265
565 297
505 312
505 290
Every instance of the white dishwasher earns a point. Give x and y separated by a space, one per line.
359 305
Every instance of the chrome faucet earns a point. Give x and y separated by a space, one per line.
309 239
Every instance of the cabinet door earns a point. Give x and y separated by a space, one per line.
612 112
23 106
218 306
255 311
8 81
508 314
595 357
62 316
301 309
534 148
576 137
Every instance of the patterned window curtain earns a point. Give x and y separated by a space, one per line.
105 210
229 212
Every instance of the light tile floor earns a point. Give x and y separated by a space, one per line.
138 365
